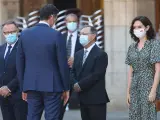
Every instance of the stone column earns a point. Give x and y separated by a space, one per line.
118 16
9 9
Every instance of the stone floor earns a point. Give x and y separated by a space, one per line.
75 115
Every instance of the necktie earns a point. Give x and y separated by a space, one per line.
69 46
84 56
8 52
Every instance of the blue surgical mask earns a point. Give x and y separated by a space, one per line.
72 26
84 40
11 38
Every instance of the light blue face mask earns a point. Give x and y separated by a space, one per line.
72 26
11 38
84 40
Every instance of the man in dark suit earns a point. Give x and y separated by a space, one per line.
72 45
88 71
12 105
42 67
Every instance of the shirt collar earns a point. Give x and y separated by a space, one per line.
90 48
73 34
43 22
12 45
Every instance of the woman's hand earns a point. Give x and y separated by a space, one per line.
152 96
128 99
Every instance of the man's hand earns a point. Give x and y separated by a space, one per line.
4 91
77 87
65 97
70 61
24 96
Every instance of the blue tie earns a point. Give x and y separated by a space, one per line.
8 52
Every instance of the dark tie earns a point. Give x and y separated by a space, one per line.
8 52
69 46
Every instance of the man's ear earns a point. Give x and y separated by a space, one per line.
50 16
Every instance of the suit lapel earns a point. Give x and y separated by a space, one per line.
2 55
90 57
13 52
80 61
14 49
77 44
65 36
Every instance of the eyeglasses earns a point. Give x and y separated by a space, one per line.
10 32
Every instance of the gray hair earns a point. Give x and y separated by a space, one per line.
10 22
72 15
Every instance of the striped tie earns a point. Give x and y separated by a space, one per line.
69 46
84 56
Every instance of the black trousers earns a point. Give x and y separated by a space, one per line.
93 112
13 109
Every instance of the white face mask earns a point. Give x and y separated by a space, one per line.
72 26
139 33
84 40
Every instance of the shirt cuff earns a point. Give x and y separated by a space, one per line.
79 86
8 88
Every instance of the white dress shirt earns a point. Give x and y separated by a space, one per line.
89 49
7 49
44 22
73 40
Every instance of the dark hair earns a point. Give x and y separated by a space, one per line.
10 22
92 29
146 22
47 11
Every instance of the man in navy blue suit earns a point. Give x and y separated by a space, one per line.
12 105
42 67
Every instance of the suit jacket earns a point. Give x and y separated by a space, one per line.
91 76
8 72
78 45
41 60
